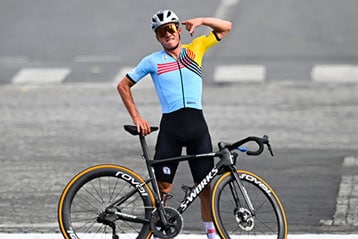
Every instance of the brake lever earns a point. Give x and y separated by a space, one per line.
270 149
267 142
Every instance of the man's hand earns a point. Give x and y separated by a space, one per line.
191 24
219 26
143 126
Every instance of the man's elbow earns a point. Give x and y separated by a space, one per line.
226 28
123 86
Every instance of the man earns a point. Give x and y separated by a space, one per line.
176 74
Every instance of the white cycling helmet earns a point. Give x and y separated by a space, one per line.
163 17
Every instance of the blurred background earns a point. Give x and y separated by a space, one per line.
289 69
95 39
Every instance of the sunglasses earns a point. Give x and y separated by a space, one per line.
162 31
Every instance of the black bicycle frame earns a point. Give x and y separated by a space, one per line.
225 163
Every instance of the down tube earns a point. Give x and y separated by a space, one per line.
197 190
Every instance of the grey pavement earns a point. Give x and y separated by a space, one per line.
287 37
51 132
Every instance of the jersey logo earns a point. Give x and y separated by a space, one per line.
186 60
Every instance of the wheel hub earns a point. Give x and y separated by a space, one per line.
244 218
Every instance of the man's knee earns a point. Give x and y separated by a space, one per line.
165 187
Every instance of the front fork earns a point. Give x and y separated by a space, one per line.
242 191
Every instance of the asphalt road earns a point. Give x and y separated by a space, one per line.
51 132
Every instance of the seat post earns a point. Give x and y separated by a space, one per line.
143 144
150 169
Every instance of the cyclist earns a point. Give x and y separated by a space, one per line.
177 76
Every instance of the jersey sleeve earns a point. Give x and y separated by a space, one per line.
141 70
209 40
201 44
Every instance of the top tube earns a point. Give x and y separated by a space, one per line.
181 158
259 141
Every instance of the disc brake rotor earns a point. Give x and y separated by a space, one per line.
245 220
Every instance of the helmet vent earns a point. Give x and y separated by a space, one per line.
160 16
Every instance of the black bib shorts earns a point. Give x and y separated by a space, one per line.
183 128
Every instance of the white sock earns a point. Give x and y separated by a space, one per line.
210 230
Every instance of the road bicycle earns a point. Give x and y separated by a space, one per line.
112 201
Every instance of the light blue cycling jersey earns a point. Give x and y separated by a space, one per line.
178 83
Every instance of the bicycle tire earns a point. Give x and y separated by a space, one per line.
89 192
270 220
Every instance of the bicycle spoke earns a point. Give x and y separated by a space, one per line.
233 216
97 191
88 214
87 202
113 190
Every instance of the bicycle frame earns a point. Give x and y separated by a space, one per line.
225 163
140 207
186 202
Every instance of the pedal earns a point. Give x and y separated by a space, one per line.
187 190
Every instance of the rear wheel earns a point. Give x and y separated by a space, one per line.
232 216
84 210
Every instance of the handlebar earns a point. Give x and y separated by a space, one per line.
259 141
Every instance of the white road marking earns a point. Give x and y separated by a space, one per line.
335 73
40 75
347 200
222 73
350 161
240 73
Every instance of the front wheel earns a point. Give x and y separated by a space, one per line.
106 201
232 216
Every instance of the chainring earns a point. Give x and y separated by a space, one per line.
175 223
